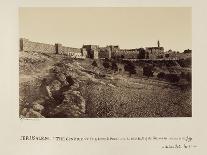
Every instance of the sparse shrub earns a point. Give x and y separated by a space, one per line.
159 56
101 75
161 75
172 77
185 62
147 55
182 75
70 80
167 55
59 64
170 63
94 64
106 64
114 66
130 67
187 51
188 76
141 54
147 71
122 56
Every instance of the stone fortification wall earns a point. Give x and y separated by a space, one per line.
27 45
127 53
66 50
104 52
154 52
95 52
175 55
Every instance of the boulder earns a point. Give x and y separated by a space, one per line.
24 111
111 85
48 92
71 74
40 101
74 98
56 69
33 114
74 86
73 105
55 85
62 78
70 80
101 82
38 107
21 116
44 89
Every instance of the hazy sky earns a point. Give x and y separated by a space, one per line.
133 27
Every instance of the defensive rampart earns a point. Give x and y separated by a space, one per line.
29 46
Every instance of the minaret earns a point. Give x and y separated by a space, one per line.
158 43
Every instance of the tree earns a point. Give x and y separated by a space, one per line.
188 76
147 71
141 54
114 66
122 56
187 51
167 55
94 64
161 75
147 55
106 63
160 56
172 77
130 67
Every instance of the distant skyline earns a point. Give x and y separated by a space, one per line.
128 27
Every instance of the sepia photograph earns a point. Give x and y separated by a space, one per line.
105 62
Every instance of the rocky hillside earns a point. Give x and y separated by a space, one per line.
55 86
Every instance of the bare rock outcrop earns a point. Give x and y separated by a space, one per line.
55 85
38 107
73 105
33 114
62 78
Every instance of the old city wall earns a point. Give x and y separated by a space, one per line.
66 50
174 55
29 46
73 52
126 53
95 52
155 52
104 52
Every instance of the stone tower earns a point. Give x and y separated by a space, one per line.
158 43
58 48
